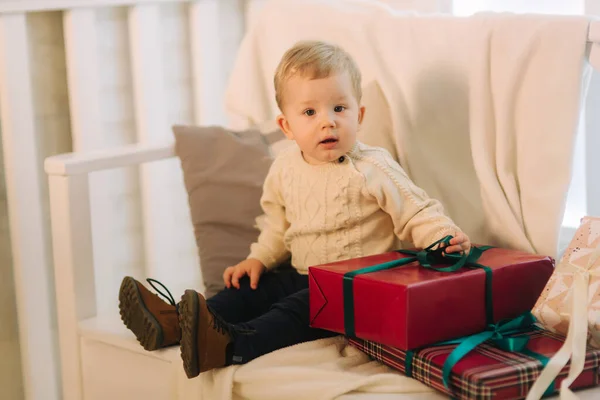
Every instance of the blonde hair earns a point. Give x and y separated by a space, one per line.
315 60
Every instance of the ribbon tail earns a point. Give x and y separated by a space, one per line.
577 324
568 394
579 316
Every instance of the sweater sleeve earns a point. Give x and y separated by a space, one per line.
417 218
270 248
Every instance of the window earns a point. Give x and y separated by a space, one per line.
468 7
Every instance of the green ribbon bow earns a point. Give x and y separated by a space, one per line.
427 258
496 333
500 335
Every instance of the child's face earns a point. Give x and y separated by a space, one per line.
321 115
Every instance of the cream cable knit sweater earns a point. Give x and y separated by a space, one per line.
359 205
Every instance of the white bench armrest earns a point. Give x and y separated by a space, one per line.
86 162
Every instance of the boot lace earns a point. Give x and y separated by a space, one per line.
169 297
225 327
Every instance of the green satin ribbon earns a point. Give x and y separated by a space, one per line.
544 361
499 334
496 333
408 361
430 258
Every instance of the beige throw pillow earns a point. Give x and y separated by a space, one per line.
223 172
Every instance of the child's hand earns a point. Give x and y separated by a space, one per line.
459 243
251 267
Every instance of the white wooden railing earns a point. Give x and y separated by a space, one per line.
86 75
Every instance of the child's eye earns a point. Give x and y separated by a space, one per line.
310 112
339 108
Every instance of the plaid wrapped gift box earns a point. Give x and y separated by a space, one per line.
486 372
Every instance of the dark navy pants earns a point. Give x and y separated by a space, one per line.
268 318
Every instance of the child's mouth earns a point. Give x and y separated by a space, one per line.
329 140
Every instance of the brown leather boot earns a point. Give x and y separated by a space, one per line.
204 337
153 321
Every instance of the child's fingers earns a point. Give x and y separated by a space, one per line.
453 249
235 280
227 276
458 239
254 278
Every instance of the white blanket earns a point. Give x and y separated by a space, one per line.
318 370
484 109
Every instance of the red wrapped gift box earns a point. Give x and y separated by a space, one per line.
487 372
411 306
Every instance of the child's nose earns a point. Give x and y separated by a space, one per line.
328 121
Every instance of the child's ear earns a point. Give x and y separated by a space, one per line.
361 114
285 126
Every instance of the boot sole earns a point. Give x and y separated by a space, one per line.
136 316
189 319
